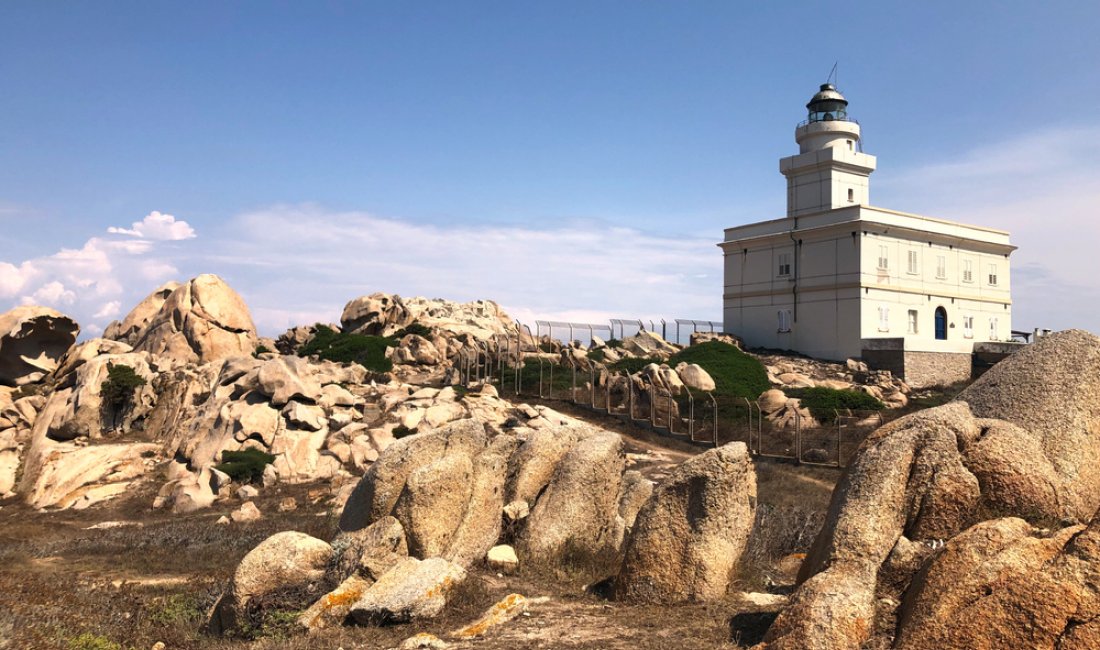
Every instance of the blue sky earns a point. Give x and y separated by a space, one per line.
570 160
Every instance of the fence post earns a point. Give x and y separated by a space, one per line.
714 405
798 437
691 415
573 392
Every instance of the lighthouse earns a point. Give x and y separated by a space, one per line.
830 170
839 278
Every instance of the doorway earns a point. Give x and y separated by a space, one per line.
941 324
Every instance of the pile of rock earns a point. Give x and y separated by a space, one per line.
803 372
436 503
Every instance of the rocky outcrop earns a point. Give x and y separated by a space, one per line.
130 329
385 314
32 341
201 321
578 513
285 562
411 590
691 532
933 474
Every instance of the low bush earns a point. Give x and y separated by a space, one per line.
89 641
413 328
402 431
735 373
825 402
368 351
597 355
246 465
614 343
632 365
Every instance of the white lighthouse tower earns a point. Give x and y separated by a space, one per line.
830 171
839 278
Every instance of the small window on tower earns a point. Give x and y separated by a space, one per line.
851 146
851 195
784 264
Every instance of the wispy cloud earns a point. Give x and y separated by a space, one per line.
158 227
1042 186
305 261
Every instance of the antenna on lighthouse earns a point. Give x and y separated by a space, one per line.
832 78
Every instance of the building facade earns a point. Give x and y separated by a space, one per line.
838 278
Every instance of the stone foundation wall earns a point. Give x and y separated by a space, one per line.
920 369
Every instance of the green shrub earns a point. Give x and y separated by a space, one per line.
246 465
121 384
614 343
735 373
89 641
825 402
368 351
632 365
413 328
261 349
117 392
401 431
597 355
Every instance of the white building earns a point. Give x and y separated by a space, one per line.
837 278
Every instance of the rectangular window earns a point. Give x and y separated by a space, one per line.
784 320
784 264
912 321
913 267
941 267
884 319
968 271
851 195
851 146
968 327
992 275
883 258
992 329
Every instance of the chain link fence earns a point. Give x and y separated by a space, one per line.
522 365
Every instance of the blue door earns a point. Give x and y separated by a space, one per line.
941 324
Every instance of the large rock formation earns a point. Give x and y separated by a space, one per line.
691 532
201 321
32 341
933 474
130 329
384 314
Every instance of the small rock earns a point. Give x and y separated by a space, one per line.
503 558
247 492
247 512
288 504
423 641
517 510
223 520
507 609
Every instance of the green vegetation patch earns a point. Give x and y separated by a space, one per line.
246 465
632 365
121 384
367 351
825 402
413 328
735 373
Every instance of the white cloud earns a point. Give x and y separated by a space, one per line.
52 294
1043 187
157 226
305 261
93 282
109 310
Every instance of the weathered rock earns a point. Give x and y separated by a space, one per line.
695 377
32 341
502 558
283 561
411 590
535 460
636 491
287 378
130 329
1000 584
772 401
1052 390
376 494
433 502
423 641
480 526
247 512
201 321
507 609
370 551
332 608
690 534
579 509
305 416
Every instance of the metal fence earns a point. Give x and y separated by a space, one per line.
520 366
